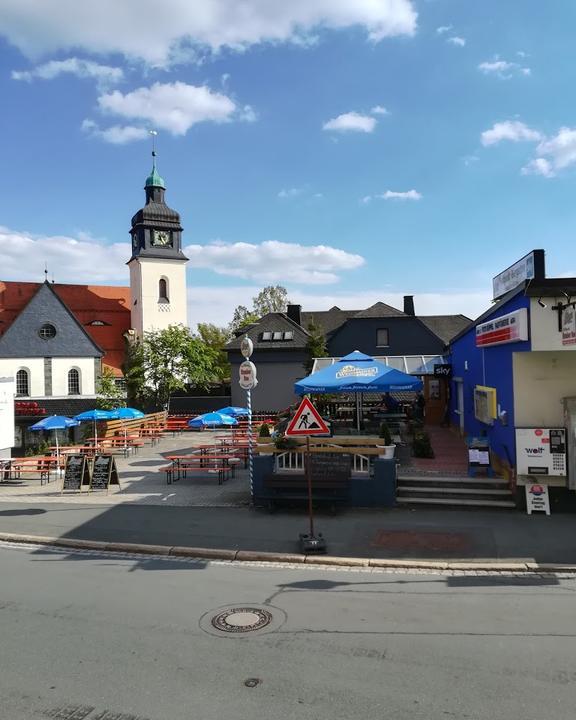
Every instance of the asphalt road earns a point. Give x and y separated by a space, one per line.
107 637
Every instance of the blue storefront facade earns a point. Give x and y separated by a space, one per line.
492 367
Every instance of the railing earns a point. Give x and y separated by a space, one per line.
290 461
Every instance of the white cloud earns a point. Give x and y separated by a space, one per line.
379 110
274 261
290 192
116 134
443 29
78 259
512 130
554 154
393 195
103 74
470 160
503 69
156 34
175 107
538 166
456 40
216 304
247 114
351 121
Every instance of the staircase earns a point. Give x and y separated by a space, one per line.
480 492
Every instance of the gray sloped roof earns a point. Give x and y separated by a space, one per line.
272 322
328 320
380 310
445 326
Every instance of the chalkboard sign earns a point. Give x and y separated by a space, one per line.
330 466
77 473
104 473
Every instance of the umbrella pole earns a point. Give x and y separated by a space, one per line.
57 451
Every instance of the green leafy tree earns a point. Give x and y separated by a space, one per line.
167 360
316 345
273 298
242 317
109 395
215 338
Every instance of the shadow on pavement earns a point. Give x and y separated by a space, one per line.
463 581
23 511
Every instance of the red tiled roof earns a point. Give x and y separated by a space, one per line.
104 303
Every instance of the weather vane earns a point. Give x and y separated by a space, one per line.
153 133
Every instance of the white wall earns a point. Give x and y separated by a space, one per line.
544 326
35 366
541 380
60 369
7 390
149 314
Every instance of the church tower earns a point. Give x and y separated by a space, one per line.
157 266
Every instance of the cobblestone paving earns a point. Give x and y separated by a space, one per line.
142 484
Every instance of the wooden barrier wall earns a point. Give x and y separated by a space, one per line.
115 427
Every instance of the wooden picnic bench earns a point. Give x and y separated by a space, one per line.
41 466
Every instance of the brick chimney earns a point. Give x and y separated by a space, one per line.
409 305
294 312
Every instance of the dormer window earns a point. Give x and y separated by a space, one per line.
266 336
277 336
97 323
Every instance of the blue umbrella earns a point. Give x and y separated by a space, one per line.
95 415
211 420
127 413
55 422
357 372
233 411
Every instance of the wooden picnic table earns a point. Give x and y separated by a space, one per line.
74 449
219 462
41 465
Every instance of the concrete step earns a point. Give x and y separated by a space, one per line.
456 502
454 490
464 480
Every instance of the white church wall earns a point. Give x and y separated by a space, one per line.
148 313
35 368
60 369
7 390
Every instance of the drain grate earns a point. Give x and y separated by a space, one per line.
242 620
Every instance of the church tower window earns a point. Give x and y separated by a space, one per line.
163 290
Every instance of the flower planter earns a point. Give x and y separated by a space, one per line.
387 451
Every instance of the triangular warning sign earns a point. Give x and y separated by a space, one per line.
307 421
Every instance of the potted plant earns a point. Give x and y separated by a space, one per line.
388 447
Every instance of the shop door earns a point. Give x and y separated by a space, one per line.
460 403
570 424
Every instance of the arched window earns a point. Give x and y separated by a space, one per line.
22 383
74 382
163 290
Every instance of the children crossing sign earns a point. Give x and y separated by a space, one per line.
307 421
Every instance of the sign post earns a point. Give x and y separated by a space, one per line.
306 422
248 380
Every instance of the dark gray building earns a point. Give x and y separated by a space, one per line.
280 341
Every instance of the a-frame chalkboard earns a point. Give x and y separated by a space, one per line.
104 473
76 474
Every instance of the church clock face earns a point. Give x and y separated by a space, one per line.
161 238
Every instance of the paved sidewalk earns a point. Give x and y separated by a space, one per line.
393 534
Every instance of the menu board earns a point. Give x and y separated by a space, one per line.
77 472
104 473
330 466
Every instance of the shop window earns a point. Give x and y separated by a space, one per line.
74 382
382 337
163 290
22 383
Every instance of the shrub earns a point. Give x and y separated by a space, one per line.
385 433
284 443
421 446
264 431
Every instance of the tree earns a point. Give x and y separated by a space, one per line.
215 338
273 298
167 360
109 395
316 345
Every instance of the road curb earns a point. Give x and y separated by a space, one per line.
288 558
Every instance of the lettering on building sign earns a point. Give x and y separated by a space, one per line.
528 267
512 327
569 326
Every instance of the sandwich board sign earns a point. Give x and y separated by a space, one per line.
307 422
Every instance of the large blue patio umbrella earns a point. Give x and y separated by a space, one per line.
126 413
357 373
55 422
212 419
233 411
96 415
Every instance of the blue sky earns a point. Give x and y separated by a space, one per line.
352 150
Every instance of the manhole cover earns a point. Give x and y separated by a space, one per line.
241 620
238 620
